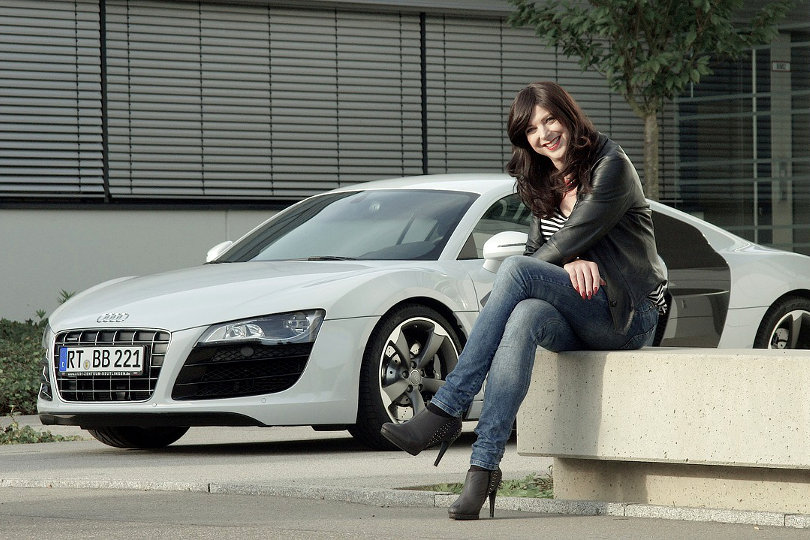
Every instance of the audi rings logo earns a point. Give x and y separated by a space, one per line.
113 317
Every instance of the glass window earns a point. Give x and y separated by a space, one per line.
742 145
393 224
507 214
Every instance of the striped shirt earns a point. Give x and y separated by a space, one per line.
548 226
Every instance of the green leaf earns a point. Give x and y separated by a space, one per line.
690 38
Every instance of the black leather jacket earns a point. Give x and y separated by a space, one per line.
611 226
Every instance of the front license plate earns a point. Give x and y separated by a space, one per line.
101 360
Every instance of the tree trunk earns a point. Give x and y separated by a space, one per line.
651 188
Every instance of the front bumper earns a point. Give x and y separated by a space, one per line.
98 420
326 393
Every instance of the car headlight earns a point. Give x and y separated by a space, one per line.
293 327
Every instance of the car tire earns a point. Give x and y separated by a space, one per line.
392 390
138 437
786 325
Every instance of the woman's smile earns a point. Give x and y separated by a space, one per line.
551 146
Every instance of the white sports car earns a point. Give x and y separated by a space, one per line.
348 309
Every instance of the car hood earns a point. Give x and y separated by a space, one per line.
213 293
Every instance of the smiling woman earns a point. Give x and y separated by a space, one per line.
592 280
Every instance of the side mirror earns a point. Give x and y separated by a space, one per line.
217 250
503 245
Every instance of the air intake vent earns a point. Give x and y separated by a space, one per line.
240 370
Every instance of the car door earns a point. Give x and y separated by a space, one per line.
699 283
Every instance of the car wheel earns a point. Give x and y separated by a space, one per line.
786 325
138 437
405 363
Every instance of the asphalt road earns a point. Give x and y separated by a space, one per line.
85 514
280 483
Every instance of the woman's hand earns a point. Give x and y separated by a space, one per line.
584 277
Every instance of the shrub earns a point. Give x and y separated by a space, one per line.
15 434
21 356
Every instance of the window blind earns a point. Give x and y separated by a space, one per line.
228 101
50 100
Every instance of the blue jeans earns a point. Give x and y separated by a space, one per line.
532 304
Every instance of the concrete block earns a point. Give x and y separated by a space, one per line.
673 405
672 427
673 484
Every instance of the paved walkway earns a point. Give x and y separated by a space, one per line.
323 470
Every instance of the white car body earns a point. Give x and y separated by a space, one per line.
356 295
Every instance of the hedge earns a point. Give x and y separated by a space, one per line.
21 356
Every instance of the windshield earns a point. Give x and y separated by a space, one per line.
374 224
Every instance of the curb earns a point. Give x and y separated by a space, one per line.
431 499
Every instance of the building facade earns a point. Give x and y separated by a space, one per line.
743 154
134 134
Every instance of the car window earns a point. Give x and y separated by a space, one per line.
507 214
699 283
395 224
683 246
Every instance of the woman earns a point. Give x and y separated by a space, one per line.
590 278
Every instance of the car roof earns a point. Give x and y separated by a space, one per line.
480 183
494 184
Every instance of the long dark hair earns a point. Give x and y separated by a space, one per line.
540 185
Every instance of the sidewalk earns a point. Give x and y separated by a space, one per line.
304 464
292 459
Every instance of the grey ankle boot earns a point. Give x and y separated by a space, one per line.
477 486
424 430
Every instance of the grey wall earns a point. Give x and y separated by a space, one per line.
45 251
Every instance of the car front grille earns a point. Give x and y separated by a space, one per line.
226 371
97 387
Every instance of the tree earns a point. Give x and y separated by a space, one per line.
648 50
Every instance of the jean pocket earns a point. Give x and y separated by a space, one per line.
645 325
640 340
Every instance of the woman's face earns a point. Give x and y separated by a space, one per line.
548 136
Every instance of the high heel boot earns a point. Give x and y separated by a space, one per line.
424 430
477 486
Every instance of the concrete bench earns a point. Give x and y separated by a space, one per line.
709 428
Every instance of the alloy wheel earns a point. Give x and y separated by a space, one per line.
415 360
792 331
